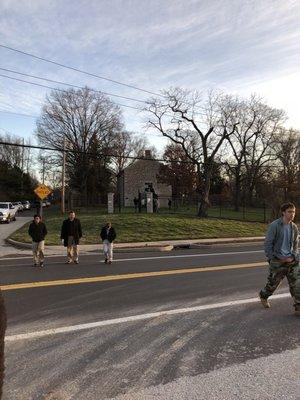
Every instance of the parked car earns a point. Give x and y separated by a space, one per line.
26 205
18 206
7 212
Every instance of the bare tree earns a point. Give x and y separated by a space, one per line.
287 152
126 145
178 171
251 143
199 124
50 169
88 121
17 156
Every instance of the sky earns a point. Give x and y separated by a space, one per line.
237 46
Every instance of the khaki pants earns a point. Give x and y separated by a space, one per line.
38 251
108 250
72 249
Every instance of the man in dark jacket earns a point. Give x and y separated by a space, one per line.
71 233
37 231
108 235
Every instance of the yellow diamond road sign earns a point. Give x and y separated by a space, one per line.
42 191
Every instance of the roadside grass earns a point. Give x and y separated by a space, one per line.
145 227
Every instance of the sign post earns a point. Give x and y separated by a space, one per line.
42 191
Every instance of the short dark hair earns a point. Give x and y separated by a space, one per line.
285 206
71 212
37 215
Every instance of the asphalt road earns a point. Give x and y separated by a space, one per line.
7 229
178 325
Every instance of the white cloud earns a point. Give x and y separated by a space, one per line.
242 46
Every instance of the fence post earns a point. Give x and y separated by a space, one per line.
110 203
119 202
149 202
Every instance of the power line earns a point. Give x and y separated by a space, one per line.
81 87
103 155
96 76
15 113
72 85
99 155
60 90
64 91
80 70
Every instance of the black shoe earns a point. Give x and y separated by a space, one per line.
76 262
35 265
109 262
41 265
105 261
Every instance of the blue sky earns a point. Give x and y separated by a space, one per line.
239 46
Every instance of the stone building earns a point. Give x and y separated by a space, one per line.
140 177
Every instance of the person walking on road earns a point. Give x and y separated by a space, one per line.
281 249
71 233
108 235
37 231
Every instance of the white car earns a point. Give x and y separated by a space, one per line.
18 206
26 205
7 212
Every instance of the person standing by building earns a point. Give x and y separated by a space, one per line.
37 231
108 235
136 204
71 234
281 249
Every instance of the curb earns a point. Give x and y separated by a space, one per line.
129 249
19 245
144 247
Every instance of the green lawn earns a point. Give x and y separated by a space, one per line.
146 227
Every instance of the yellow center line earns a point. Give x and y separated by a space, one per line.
136 275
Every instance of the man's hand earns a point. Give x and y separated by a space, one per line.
287 259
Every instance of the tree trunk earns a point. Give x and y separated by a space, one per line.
204 192
237 192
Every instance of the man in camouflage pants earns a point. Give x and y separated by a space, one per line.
281 248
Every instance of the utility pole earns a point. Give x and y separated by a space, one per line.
22 168
43 171
63 179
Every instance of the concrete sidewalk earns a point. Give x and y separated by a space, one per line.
165 245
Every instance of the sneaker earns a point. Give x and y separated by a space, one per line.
68 262
76 262
264 302
41 265
297 310
109 262
35 265
105 261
